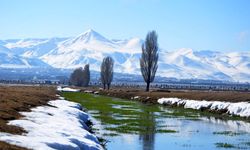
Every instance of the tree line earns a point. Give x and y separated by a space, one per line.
80 76
148 66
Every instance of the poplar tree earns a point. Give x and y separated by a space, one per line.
107 72
149 58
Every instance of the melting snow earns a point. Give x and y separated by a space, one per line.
240 109
67 89
59 127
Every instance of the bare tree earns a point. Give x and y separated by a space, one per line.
149 58
80 76
76 77
86 75
107 72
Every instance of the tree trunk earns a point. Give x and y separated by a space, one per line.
147 88
104 86
108 86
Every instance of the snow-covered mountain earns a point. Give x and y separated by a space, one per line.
32 47
187 63
10 60
91 47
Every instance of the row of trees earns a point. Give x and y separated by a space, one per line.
148 65
80 76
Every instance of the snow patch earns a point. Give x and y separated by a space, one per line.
59 127
67 89
194 105
239 109
136 97
96 92
88 91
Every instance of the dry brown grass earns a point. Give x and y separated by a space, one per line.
14 99
154 95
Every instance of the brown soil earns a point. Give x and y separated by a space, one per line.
14 99
155 94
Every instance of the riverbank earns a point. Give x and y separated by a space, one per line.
226 102
14 99
241 109
155 94
129 124
61 125
36 113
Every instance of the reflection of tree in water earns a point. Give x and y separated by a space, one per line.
148 126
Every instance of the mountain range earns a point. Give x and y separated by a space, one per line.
91 47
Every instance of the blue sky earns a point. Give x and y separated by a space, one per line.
221 25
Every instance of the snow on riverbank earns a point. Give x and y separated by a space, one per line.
59 126
239 109
67 89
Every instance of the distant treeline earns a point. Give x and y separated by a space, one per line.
155 86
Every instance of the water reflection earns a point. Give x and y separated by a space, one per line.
236 125
147 137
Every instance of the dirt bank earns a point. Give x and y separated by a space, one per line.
154 95
14 99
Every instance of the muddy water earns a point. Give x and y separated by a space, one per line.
133 125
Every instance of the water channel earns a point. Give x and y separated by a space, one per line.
132 125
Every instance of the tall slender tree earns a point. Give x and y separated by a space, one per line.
107 72
149 58
86 75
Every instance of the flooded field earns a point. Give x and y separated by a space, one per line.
133 125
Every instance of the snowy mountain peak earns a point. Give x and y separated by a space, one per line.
90 31
89 36
89 40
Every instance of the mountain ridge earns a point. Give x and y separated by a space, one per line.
91 47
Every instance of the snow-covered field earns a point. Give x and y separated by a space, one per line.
59 126
239 109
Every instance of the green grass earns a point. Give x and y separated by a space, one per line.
124 116
228 133
224 145
110 134
166 131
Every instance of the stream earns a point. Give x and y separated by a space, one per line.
132 125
